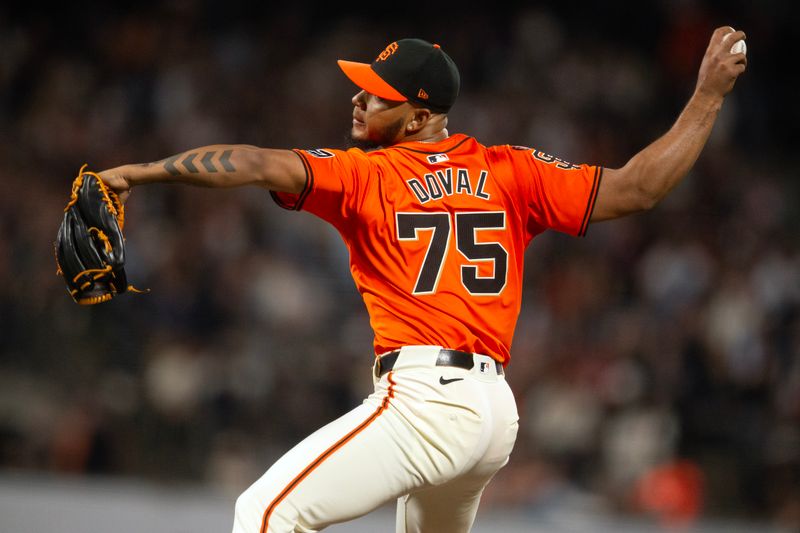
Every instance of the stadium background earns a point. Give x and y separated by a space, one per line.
656 362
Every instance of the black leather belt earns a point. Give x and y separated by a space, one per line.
446 357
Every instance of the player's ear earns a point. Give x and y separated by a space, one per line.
418 120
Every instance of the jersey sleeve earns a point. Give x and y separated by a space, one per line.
335 183
560 194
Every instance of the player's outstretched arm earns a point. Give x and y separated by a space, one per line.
658 168
219 165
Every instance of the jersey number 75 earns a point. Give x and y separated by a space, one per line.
467 225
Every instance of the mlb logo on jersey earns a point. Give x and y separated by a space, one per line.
484 367
437 158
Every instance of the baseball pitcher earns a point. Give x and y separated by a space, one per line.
436 225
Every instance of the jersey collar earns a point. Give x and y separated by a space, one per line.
446 145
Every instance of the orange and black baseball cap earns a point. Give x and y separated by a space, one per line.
409 70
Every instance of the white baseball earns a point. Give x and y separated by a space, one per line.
739 47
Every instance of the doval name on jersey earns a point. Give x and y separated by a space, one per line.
447 182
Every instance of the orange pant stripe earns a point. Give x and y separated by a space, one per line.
327 453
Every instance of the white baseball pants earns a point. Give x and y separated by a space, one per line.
432 445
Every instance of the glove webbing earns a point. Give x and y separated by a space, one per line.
112 200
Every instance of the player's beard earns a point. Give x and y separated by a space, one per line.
388 136
362 144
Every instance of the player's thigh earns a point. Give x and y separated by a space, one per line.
451 507
448 508
342 471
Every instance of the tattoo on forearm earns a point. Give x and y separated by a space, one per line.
189 165
225 161
187 161
207 162
169 165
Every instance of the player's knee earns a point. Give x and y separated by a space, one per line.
252 514
248 513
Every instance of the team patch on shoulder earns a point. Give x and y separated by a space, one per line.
553 160
319 152
437 158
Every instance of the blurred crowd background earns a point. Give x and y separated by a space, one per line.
656 362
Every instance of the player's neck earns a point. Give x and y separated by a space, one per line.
433 130
424 136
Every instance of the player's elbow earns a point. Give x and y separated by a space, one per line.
620 195
638 185
252 162
645 182
281 170
645 199
636 201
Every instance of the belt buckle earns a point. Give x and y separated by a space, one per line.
377 367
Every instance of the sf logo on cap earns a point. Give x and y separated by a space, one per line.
392 48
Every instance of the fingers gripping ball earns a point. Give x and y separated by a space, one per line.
739 47
90 246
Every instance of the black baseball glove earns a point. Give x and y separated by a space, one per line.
90 246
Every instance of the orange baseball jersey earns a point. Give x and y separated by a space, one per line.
437 232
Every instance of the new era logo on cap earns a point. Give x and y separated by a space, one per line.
409 70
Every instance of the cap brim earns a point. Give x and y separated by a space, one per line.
362 75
